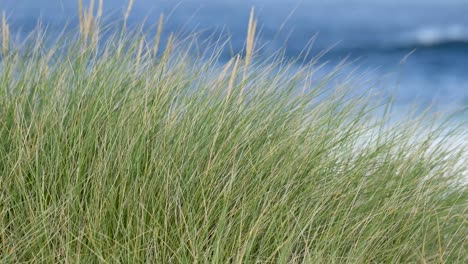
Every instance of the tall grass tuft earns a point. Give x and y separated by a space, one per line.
112 153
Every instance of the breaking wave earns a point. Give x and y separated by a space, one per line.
454 36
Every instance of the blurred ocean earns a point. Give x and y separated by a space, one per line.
414 49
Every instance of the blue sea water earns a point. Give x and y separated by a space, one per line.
416 49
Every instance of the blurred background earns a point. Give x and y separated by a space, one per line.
416 50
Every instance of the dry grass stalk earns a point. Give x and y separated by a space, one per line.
224 71
127 14
158 35
169 46
5 34
91 10
89 20
250 41
140 52
95 36
100 9
233 77
96 23
80 15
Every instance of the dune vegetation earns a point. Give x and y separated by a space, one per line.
126 149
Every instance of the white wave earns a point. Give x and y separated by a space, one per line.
429 36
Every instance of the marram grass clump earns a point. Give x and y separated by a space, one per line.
117 152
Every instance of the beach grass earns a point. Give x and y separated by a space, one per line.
131 150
